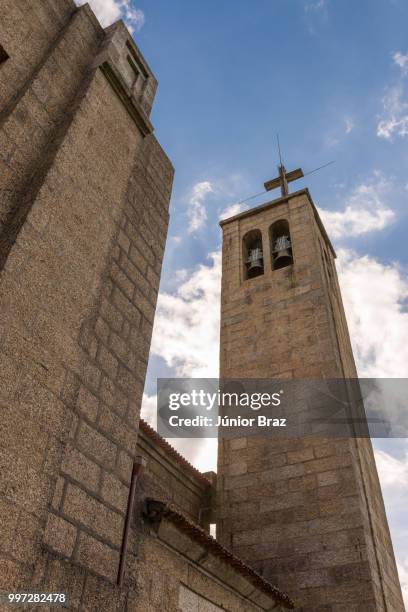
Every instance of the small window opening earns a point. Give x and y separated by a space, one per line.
130 72
137 61
282 255
253 254
3 54
134 68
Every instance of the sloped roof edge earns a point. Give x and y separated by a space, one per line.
162 443
157 510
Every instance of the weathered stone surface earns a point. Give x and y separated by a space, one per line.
98 557
60 535
76 155
80 468
83 509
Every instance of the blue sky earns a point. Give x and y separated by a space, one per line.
332 78
231 76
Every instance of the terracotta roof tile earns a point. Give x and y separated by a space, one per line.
157 439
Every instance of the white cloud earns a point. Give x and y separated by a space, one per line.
315 6
228 188
197 213
181 275
401 60
375 297
365 210
393 473
394 121
331 141
232 210
335 135
403 574
186 328
109 11
149 409
348 125
201 452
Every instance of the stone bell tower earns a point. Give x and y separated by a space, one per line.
307 514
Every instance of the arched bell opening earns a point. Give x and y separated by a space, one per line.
253 254
281 245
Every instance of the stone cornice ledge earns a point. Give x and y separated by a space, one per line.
105 60
130 103
180 534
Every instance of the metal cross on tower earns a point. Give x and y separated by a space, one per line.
284 178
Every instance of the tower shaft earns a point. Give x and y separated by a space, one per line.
308 514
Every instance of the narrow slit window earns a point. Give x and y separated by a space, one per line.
282 255
253 254
328 266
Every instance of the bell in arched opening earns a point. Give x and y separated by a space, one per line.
253 254
281 245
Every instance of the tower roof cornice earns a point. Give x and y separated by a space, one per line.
262 207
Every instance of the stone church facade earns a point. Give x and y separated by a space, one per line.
84 196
